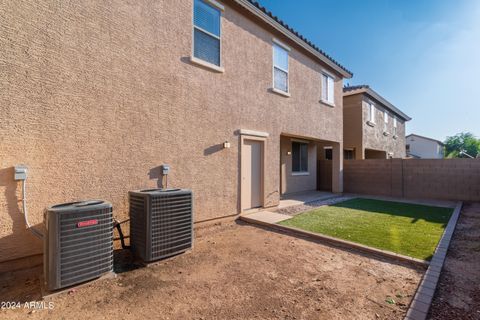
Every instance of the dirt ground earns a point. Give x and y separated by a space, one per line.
458 291
236 271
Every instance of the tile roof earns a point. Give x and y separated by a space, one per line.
308 42
352 88
363 88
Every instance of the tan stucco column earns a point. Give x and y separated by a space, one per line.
360 153
337 167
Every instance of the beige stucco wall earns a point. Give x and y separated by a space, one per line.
94 97
373 137
352 124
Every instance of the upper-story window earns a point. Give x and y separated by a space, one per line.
371 113
328 85
206 31
280 67
394 126
385 121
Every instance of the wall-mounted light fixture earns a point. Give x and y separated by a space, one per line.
226 145
289 153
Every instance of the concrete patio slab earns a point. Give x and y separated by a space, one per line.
296 199
267 217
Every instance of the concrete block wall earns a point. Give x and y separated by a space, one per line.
371 176
447 179
451 179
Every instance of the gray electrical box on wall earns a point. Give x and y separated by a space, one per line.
165 169
20 172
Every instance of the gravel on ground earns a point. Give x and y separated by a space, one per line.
458 291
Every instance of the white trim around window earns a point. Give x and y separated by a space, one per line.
304 173
280 52
203 56
328 89
206 64
385 122
299 158
282 93
281 44
216 4
371 113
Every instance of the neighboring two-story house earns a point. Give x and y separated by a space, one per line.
96 97
373 128
421 147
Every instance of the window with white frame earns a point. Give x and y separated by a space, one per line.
206 32
371 113
385 121
280 68
328 85
299 157
394 126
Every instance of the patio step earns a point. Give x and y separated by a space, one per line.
265 217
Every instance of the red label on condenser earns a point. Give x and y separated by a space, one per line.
87 223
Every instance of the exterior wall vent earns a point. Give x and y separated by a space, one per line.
161 222
78 244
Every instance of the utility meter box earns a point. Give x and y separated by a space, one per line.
20 172
165 169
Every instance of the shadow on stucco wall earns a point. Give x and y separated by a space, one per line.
213 149
156 173
15 240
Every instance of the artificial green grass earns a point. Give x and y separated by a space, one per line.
408 229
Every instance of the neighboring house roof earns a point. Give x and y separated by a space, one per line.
261 12
365 89
411 155
427 138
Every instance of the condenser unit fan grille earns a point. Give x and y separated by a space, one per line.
138 219
78 243
161 222
171 224
85 252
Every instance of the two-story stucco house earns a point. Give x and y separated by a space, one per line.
97 96
373 128
423 147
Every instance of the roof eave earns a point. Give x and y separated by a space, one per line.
277 26
390 106
353 92
427 138
380 99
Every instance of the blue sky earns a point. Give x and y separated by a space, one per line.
423 56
